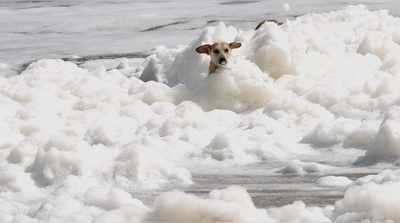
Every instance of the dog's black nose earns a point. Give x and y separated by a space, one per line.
222 61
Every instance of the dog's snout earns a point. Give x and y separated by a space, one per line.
222 61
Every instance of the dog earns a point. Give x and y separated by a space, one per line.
219 53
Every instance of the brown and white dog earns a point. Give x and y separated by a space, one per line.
219 53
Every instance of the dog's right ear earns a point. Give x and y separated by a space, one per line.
204 49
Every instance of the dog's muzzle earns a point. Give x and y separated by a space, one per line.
222 61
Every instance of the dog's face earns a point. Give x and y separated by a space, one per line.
219 52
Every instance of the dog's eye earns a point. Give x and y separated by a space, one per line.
216 51
226 50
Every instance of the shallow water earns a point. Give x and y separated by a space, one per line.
273 190
266 186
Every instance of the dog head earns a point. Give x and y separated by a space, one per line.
219 52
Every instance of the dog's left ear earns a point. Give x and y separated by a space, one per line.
234 45
204 49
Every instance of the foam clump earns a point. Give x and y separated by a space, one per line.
385 146
110 199
299 212
8 181
272 51
147 169
334 181
54 165
232 204
372 198
297 167
240 86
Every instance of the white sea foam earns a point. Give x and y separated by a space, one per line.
78 143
